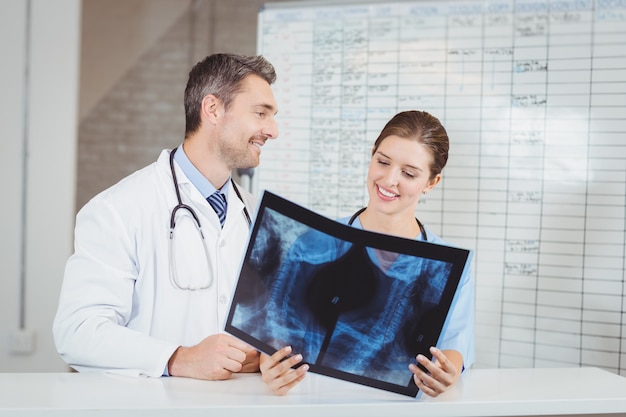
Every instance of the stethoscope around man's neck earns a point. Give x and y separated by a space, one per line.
421 226
192 212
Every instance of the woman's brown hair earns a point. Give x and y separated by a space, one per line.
425 129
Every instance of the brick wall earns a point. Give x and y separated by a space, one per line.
143 113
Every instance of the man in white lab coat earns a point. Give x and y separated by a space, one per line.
148 286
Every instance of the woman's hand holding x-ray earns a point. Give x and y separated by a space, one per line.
442 373
278 373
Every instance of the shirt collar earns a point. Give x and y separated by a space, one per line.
195 177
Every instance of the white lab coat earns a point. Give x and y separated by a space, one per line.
118 311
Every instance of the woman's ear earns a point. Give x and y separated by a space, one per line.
432 183
210 110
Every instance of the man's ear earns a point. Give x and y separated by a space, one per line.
210 110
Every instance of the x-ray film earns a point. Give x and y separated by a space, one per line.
358 305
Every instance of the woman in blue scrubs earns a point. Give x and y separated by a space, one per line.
407 159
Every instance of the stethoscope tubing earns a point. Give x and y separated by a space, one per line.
192 212
358 212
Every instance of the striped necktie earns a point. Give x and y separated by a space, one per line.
217 200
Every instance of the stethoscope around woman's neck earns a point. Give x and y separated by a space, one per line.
358 213
192 212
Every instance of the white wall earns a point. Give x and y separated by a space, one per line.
39 46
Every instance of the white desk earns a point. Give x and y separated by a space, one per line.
480 392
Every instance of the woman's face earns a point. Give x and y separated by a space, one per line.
399 172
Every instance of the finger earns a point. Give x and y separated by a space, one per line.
237 343
283 367
235 354
251 364
250 349
219 373
296 376
426 389
231 359
271 361
433 383
281 354
276 375
428 366
441 357
251 355
426 382
288 380
436 377
231 365
445 372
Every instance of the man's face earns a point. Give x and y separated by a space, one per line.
248 123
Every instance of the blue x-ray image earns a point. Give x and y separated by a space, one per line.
357 305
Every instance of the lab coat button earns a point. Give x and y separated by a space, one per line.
223 299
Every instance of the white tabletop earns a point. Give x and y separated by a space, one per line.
480 392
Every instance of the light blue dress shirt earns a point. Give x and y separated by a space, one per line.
197 179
